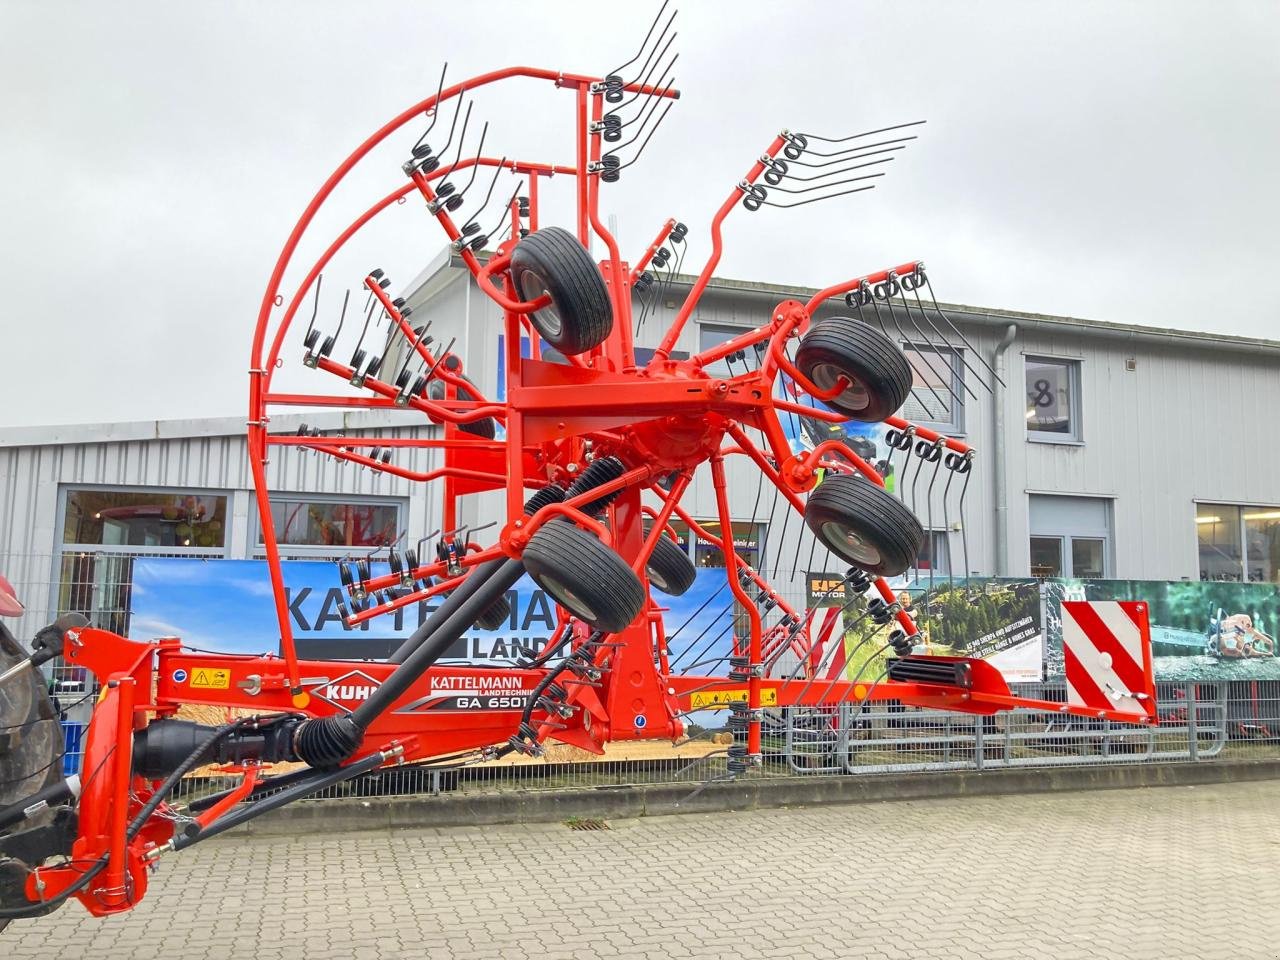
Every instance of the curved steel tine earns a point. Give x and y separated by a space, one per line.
617 70
364 330
656 45
342 317
476 165
497 172
845 158
675 270
958 331
654 97
412 354
801 203
466 119
860 146
943 337
921 340
418 548
903 338
652 130
834 173
824 186
435 108
440 359
644 77
866 133
453 124
315 306
506 210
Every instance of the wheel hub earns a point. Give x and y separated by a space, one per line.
855 397
856 547
568 598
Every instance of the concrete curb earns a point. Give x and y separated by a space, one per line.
616 803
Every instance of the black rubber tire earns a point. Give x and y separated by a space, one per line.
30 735
551 260
486 428
864 524
880 372
584 576
669 568
31 748
496 615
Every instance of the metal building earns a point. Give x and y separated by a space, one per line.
1110 450
1149 460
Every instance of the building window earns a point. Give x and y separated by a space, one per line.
712 335
1046 556
333 526
937 389
645 354
134 520
747 538
934 557
1238 543
105 530
1053 400
1087 556
1070 536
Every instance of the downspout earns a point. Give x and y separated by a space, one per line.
998 447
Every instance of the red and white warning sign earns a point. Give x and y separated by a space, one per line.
1107 646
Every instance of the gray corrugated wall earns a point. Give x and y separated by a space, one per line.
31 477
1186 424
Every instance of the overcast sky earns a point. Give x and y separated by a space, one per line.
1115 161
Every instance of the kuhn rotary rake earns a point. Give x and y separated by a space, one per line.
594 446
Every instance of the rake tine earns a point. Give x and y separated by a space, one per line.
958 331
866 133
854 149
618 70
902 337
949 345
435 110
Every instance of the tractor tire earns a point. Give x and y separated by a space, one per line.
30 734
552 261
864 524
486 429
879 373
670 569
496 615
584 576
31 743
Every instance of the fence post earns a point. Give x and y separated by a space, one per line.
1193 727
979 741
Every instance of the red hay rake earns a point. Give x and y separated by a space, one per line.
594 445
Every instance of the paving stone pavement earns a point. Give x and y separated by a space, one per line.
1177 873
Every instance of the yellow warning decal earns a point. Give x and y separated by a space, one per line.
719 699
211 679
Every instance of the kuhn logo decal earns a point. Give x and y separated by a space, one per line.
348 690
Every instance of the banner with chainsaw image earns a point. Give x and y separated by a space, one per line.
1201 630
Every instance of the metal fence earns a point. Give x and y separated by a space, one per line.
1199 722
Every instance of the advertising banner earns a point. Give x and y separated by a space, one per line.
227 606
1201 630
992 619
